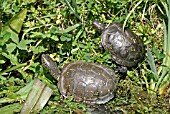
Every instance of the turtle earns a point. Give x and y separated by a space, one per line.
89 83
125 47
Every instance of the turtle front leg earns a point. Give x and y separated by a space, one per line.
101 48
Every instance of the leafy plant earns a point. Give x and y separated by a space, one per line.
161 78
64 30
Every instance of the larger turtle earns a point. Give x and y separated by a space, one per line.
86 82
125 47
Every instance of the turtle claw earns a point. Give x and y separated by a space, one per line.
101 48
98 109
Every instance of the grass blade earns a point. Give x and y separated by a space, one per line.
144 10
131 13
165 7
152 64
71 8
74 5
68 29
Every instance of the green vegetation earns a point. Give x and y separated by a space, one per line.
64 30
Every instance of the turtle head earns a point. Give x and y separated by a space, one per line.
98 25
50 65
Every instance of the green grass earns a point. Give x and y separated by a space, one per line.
64 30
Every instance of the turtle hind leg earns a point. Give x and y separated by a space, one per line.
121 69
98 109
101 109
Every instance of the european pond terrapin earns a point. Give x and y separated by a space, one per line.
86 82
125 47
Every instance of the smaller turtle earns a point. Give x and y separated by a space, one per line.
86 82
125 47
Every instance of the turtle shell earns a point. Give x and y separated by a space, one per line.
87 82
126 48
